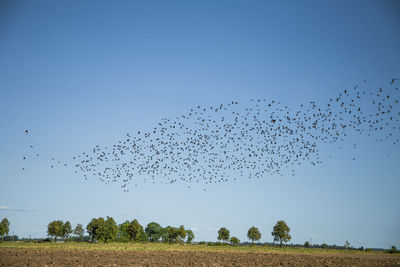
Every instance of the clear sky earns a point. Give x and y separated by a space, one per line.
81 73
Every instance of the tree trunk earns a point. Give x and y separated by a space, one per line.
55 239
280 245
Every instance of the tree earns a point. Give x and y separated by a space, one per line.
171 234
307 244
95 228
4 227
122 234
182 233
223 234
55 229
110 229
347 244
190 236
134 230
154 231
234 240
67 229
281 232
253 234
79 231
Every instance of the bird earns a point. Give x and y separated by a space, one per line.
253 139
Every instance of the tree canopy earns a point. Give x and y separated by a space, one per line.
234 240
101 229
223 234
154 231
67 229
190 236
281 232
134 230
4 227
55 229
79 231
253 234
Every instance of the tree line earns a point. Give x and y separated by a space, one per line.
100 229
280 233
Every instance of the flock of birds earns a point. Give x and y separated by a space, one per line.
219 143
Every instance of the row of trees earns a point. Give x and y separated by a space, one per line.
280 233
4 227
60 229
107 229
101 229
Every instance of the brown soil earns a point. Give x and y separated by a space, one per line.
57 257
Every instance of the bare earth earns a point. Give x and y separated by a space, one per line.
57 257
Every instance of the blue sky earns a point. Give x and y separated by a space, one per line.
77 74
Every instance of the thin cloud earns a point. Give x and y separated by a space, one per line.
6 208
195 229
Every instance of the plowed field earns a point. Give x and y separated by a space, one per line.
68 257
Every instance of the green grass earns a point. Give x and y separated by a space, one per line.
165 247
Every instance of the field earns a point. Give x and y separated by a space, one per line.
147 254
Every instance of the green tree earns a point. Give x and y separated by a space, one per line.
281 232
347 244
55 229
134 230
171 234
79 231
110 229
4 227
190 236
223 234
95 228
234 240
253 234
182 233
307 244
122 228
67 229
154 231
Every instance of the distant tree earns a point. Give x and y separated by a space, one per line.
324 246
253 234
122 228
110 229
393 250
307 244
190 236
154 231
234 240
2 234
281 232
79 231
4 227
67 229
171 234
134 230
347 244
182 233
223 234
55 229
95 228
